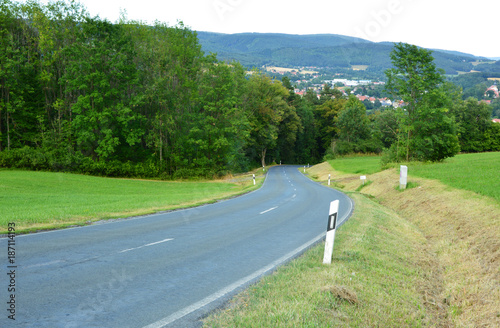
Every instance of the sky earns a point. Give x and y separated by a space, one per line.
468 26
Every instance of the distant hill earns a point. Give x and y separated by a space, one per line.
321 50
257 42
458 53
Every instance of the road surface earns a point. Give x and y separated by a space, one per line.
165 270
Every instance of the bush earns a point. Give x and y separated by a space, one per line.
60 159
189 174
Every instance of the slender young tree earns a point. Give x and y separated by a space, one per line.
416 80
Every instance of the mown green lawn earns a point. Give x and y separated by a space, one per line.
479 173
357 164
47 200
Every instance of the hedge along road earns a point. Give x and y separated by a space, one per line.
167 269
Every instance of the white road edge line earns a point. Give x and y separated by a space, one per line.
269 210
151 244
198 305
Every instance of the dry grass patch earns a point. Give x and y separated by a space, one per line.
462 229
359 67
342 293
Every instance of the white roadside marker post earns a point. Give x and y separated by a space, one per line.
403 176
363 178
254 179
304 169
329 176
330 232
262 167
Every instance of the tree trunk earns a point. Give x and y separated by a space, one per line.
161 142
8 132
263 154
408 147
1 129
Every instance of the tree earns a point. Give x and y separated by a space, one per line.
355 133
291 127
424 120
326 118
305 146
222 128
473 120
266 104
353 124
385 127
104 76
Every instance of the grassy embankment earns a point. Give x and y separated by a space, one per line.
428 256
43 200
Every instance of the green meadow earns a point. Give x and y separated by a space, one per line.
43 200
479 173
474 172
357 164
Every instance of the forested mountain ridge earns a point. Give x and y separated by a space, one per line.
321 50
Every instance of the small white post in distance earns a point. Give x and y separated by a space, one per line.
403 176
363 178
254 179
329 176
263 167
304 169
330 232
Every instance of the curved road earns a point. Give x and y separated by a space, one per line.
166 270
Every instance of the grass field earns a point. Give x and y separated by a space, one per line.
43 200
479 173
357 164
285 69
359 67
474 172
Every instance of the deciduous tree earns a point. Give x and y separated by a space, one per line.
424 119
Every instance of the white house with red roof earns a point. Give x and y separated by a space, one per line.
494 89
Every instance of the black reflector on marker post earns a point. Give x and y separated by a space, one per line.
332 222
330 232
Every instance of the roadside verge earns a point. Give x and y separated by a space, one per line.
426 256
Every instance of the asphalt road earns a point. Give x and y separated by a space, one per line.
165 269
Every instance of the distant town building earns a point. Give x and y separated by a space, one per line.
386 102
494 89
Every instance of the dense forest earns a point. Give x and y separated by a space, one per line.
82 94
